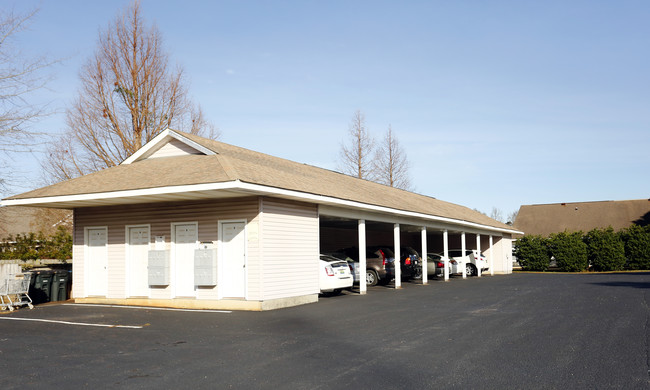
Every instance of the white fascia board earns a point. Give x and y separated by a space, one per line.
253 189
122 194
161 138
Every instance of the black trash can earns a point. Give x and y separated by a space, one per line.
40 285
60 282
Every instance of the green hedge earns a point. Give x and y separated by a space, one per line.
599 249
636 241
569 251
33 246
532 253
605 249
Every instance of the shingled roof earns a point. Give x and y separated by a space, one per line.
235 164
545 219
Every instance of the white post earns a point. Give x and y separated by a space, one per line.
463 248
445 253
424 256
491 257
478 249
362 257
398 268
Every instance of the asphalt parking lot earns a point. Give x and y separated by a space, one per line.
532 331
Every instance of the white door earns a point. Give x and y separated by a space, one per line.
233 280
185 237
97 261
137 258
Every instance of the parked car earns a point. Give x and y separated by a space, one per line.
335 275
472 260
410 263
380 267
435 265
352 264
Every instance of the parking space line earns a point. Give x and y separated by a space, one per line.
71 323
148 308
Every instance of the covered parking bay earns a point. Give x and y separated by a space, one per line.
343 228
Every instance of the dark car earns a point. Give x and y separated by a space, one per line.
410 263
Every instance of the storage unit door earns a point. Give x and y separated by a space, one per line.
185 238
97 261
137 258
234 260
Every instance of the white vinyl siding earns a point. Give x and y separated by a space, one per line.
174 148
160 217
289 248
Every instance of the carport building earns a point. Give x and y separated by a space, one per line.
192 222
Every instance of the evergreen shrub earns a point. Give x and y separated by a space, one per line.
569 250
605 249
532 253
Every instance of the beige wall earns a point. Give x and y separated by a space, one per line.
289 246
160 217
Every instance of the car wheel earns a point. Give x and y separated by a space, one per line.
371 277
418 274
470 270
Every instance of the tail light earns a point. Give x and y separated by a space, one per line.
383 257
440 265
407 261
453 261
329 270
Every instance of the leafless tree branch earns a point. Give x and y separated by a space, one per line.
128 95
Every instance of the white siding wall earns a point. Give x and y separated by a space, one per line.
159 216
502 256
174 148
289 247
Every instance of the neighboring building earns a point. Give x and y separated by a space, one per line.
192 222
25 220
544 219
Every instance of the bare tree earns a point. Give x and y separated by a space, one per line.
511 217
128 95
391 164
496 214
357 153
20 76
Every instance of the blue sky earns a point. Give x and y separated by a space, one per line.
496 103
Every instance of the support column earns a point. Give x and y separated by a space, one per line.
478 249
491 257
463 248
425 279
398 268
445 253
362 257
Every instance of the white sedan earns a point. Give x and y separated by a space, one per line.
335 275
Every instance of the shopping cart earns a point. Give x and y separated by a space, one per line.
16 287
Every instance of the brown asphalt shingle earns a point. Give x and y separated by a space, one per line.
545 219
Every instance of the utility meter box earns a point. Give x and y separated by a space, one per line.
158 268
205 267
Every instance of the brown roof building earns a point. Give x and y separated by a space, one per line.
544 219
191 222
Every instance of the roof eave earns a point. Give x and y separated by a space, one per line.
234 188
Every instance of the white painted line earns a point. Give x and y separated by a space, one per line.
148 308
71 323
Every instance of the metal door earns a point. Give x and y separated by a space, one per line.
137 258
185 237
97 261
233 280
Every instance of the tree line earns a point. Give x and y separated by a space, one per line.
597 250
